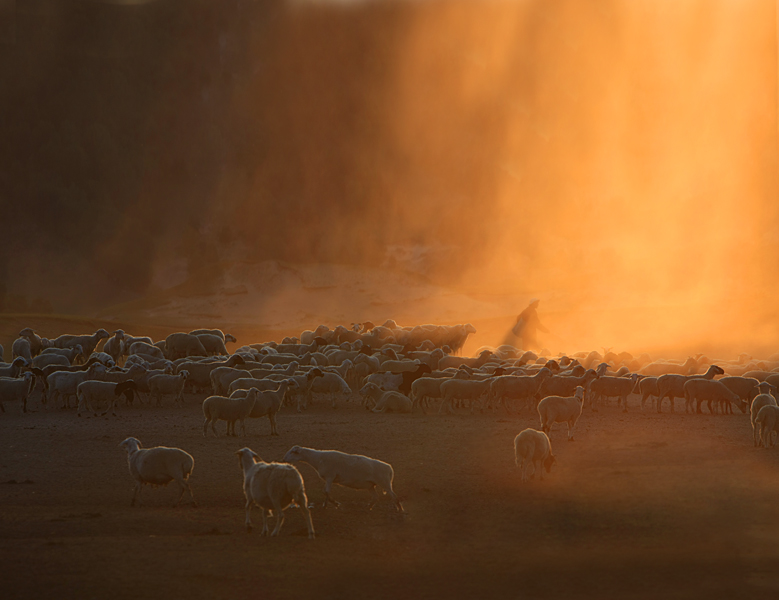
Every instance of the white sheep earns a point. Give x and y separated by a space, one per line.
158 466
220 408
611 387
331 385
385 401
165 385
768 421
269 402
534 449
65 383
273 487
463 389
16 389
764 398
14 369
91 394
559 409
21 347
349 470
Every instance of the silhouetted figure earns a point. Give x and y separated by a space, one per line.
527 325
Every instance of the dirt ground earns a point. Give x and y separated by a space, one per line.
641 505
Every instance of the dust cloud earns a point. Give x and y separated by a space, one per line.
616 159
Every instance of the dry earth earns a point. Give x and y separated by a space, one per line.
641 505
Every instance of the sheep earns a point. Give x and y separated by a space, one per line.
273 487
225 337
332 386
671 385
129 340
44 360
14 369
609 387
216 408
37 343
113 345
20 347
424 388
200 372
463 389
744 387
104 358
269 402
87 342
158 466
349 470
710 391
456 361
520 388
13 389
385 401
92 393
183 345
768 421
534 448
658 369
399 366
145 349
65 383
764 398
647 387
566 386
558 409
163 385
214 344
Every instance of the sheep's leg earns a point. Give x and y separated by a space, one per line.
625 403
540 469
136 495
571 425
248 519
527 464
375 499
205 428
182 489
754 434
328 497
265 528
273 429
279 520
302 503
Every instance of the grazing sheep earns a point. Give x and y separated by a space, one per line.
220 408
521 388
16 389
557 409
671 385
14 369
145 349
610 387
273 487
225 337
535 449
213 344
764 398
158 466
91 394
768 421
331 385
164 385
183 345
384 401
744 387
349 470
700 390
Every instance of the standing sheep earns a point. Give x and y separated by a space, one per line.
158 466
272 487
558 409
216 408
768 421
164 385
764 398
535 449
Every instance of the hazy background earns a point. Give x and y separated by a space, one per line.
617 159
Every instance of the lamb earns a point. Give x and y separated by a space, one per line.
92 393
768 421
349 470
463 389
710 391
608 387
273 487
163 385
158 466
557 409
671 385
385 401
216 408
764 398
13 389
14 369
534 448
520 388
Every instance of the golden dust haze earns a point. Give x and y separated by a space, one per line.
615 158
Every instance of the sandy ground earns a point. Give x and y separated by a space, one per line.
641 505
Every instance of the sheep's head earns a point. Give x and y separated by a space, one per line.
579 393
131 444
19 361
717 370
247 455
549 461
102 334
184 374
314 373
294 454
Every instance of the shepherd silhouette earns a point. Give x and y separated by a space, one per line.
527 325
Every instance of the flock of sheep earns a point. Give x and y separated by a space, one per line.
390 368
